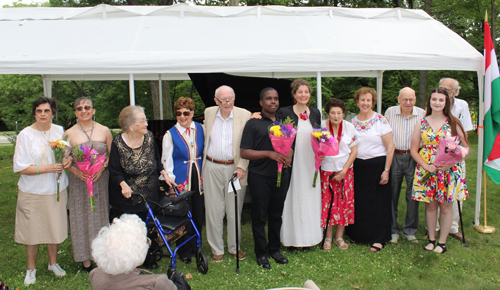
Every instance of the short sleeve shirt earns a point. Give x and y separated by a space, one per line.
370 134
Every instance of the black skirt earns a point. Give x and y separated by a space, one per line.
372 203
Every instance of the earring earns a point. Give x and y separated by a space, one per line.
309 102
294 102
93 117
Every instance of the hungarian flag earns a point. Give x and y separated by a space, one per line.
492 109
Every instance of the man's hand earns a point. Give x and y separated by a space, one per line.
240 173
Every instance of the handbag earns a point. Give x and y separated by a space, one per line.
180 209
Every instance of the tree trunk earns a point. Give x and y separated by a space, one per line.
234 2
155 97
168 111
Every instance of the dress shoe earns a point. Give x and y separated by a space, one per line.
241 255
186 260
87 269
218 258
264 262
279 258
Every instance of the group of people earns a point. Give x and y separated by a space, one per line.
359 188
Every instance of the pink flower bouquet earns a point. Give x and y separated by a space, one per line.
58 147
323 144
89 161
449 152
282 136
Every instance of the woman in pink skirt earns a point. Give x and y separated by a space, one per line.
337 172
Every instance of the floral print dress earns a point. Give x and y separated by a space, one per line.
442 186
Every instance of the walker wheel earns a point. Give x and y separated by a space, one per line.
201 261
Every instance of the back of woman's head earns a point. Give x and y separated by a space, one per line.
121 247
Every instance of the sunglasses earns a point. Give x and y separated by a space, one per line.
185 113
86 108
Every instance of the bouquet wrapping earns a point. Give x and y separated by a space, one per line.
449 152
58 147
89 161
323 144
282 135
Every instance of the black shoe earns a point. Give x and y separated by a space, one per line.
264 262
279 258
87 269
186 260
150 261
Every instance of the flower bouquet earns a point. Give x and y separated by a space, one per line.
448 152
89 161
57 147
282 135
323 144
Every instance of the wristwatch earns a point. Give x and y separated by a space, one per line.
385 169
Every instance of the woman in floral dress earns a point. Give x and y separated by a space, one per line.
337 171
446 183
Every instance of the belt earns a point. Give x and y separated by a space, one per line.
228 162
401 151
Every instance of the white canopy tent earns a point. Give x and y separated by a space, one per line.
168 42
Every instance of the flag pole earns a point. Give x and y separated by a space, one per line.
480 228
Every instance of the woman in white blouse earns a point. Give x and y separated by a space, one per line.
182 159
40 218
337 172
372 202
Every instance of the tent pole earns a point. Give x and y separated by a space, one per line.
319 98
161 96
480 146
379 91
47 87
131 89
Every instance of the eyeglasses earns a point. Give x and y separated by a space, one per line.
46 111
230 100
86 108
185 113
408 100
143 121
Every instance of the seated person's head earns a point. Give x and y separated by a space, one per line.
121 247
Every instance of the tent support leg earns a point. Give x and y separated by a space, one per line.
47 87
319 97
380 78
160 96
131 89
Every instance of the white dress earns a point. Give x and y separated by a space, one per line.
302 211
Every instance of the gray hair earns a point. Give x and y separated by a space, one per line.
224 86
127 116
121 247
455 87
400 91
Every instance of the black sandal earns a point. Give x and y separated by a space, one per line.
430 243
442 246
374 249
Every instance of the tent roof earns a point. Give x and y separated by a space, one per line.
111 42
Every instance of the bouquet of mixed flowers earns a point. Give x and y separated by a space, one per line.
57 147
282 135
323 144
89 161
449 152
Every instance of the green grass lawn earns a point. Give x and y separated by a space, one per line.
401 266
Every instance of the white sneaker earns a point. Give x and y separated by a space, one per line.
57 269
411 238
30 277
394 239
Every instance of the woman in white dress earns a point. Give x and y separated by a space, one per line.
40 218
302 211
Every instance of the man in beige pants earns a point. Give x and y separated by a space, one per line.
224 125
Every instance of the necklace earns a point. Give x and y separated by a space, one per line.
139 148
85 131
303 116
43 133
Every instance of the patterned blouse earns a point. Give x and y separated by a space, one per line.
138 167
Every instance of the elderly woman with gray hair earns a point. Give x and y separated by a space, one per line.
134 166
118 250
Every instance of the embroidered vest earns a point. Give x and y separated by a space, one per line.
182 156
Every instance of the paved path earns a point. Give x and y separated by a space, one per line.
3 139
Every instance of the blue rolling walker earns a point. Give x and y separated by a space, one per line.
169 226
